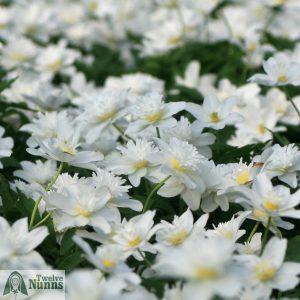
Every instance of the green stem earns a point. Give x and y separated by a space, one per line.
253 232
291 100
157 132
155 189
278 232
145 258
49 186
43 220
123 132
265 237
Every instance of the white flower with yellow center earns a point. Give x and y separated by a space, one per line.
251 247
110 259
268 201
104 110
80 205
214 113
283 162
133 160
229 230
6 145
270 270
177 232
182 161
134 234
280 70
152 111
206 262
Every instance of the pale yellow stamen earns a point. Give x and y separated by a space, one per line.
18 56
154 117
176 165
280 2
92 6
173 40
140 164
82 212
134 242
243 177
106 116
107 263
282 78
261 129
271 205
178 237
264 271
252 47
206 273
67 149
55 66
214 117
228 235
259 214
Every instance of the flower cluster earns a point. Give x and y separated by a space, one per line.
139 176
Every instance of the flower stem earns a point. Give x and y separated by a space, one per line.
49 186
157 132
155 189
122 132
265 237
145 258
253 232
291 100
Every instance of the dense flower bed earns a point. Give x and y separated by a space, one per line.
151 148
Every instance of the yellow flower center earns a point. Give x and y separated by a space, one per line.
252 47
282 78
18 56
214 117
206 273
92 6
264 271
2 26
67 149
55 66
31 29
280 2
261 129
176 165
228 235
173 40
243 177
154 117
82 212
140 164
259 214
178 237
106 116
271 205
107 263
134 242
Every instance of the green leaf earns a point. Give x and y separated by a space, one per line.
293 253
67 241
6 84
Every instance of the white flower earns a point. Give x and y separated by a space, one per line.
105 109
6 144
175 233
63 145
56 58
213 113
270 270
206 263
17 245
134 234
191 133
229 230
150 110
283 162
118 191
80 205
280 71
109 259
38 172
133 160
268 201
251 247
83 282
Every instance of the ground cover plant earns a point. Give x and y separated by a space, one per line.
151 148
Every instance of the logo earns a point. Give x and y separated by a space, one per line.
15 284
25 284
